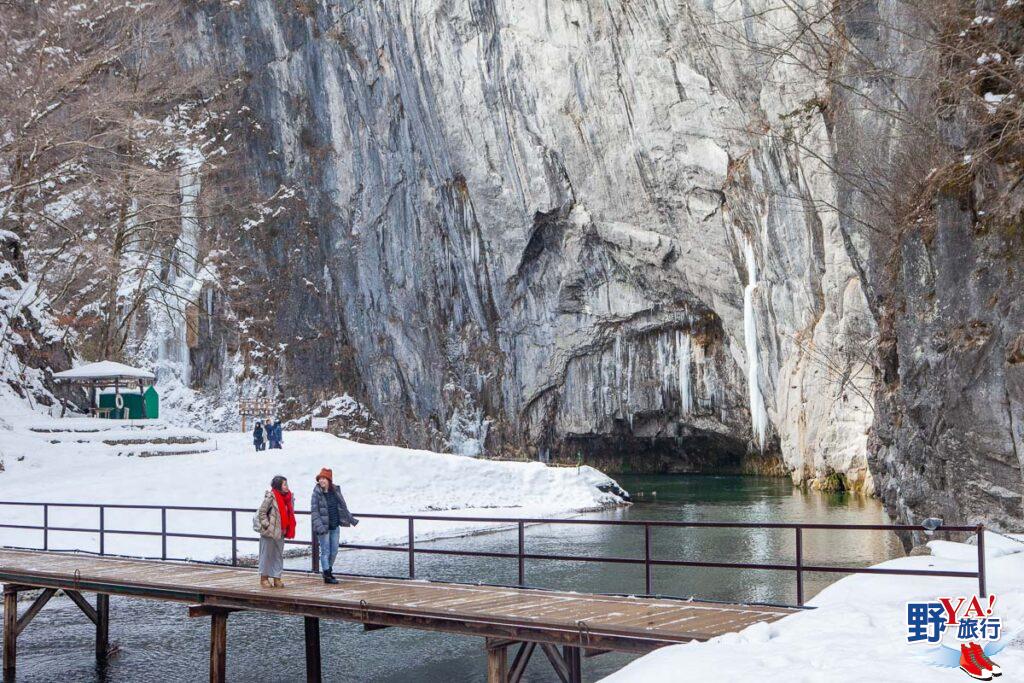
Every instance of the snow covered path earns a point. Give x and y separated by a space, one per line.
374 479
858 632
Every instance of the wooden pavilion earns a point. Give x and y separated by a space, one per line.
139 400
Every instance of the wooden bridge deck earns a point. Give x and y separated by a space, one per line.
505 616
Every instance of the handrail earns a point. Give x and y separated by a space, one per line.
527 520
520 555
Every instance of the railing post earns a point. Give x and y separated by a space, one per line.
648 569
522 552
234 539
982 589
800 566
163 533
46 526
10 632
314 548
412 549
101 530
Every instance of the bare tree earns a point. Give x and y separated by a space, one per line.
104 135
952 66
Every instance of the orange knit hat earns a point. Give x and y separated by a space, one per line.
324 472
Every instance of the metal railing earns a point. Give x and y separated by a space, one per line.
649 561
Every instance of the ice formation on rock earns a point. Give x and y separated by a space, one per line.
758 414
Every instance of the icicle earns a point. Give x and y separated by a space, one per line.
683 353
616 355
629 383
659 365
758 414
328 280
474 246
705 373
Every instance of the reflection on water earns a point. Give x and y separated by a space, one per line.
160 643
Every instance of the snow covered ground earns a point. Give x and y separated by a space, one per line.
85 466
858 631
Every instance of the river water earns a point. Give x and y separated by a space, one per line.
158 642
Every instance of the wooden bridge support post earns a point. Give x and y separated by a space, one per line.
218 646
497 661
573 663
10 632
313 667
102 627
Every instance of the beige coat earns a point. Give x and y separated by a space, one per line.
270 517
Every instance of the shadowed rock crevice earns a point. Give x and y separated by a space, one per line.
691 451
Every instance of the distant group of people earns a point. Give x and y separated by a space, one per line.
275 520
271 433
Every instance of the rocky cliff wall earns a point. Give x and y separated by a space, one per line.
563 229
937 237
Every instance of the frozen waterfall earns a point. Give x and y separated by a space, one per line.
684 347
182 283
758 414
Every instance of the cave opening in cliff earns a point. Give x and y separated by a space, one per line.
698 452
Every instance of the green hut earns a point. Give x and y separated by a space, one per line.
134 405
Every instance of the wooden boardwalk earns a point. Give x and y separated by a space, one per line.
563 626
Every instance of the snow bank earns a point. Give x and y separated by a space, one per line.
42 466
858 631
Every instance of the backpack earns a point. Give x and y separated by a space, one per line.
256 526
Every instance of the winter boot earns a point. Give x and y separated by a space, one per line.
264 582
329 577
278 583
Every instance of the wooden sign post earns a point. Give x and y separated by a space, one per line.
255 407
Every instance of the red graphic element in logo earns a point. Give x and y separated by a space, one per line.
976 664
974 608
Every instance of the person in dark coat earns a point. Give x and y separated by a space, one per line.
257 436
268 431
274 433
278 434
329 513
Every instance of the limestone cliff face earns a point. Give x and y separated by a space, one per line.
558 228
945 286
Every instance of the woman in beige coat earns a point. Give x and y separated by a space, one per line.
277 523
